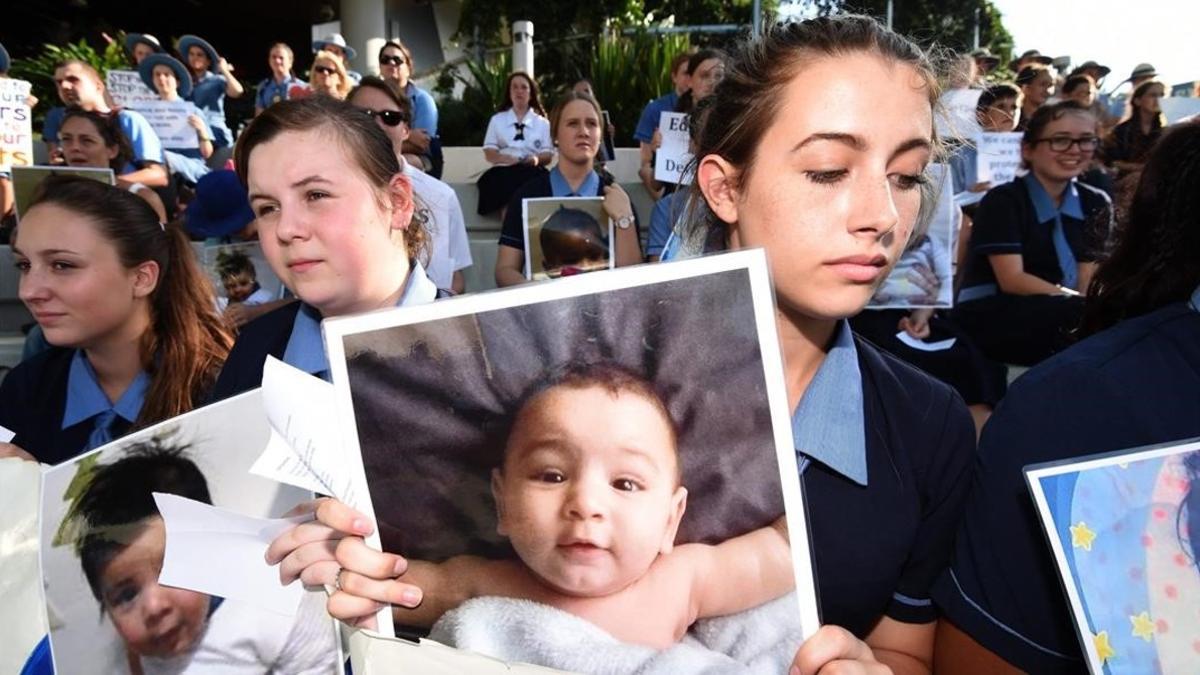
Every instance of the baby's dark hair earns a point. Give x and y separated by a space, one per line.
607 374
119 495
235 263
571 236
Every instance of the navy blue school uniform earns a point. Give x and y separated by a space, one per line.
1135 384
884 496
1020 218
551 184
56 408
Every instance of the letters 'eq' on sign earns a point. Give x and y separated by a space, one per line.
16 128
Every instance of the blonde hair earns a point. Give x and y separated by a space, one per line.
328 59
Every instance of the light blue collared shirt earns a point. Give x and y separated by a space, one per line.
828 425
559 187
306 349
85 398
1043 206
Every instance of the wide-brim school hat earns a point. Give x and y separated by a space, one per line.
1037 56
1142 70
986 57
1090 65
188 41
221 207
5 62
337 40
133 39
146 71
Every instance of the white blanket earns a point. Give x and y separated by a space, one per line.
759 640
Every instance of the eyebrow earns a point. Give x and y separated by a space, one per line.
858 144
303 182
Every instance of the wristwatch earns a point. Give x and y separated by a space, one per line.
624 222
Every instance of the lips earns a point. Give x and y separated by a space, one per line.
47 317
303 265
859 268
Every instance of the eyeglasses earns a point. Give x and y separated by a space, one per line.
325 70
1064 143
388 117
391 60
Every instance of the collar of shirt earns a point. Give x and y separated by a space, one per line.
828 425
305 348
1043 204
559 186
1196 299
85 398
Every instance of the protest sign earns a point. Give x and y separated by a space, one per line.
672 156
170 122
27 178
127 89
998 157
565 236
16 130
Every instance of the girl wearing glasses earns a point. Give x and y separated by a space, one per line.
328 76
1035 243
422 150
517 144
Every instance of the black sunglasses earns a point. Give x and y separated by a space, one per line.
391 60
324 70
388 117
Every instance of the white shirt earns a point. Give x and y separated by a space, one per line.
502 130
449 250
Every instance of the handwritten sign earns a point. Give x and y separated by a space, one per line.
127 89
999 157
672 156
16 131
170 121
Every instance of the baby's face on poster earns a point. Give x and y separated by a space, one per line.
153 620
589 495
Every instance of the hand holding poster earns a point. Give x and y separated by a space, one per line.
128 90
672 156
170 121
16 119
998 156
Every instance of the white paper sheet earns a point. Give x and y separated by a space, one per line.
22 614
6 435
218 552
939 346
304 449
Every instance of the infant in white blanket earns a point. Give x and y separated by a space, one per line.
590 495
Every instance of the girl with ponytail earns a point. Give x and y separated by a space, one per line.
137 338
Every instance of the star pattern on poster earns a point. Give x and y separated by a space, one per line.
1143 626
1082 536
1104 651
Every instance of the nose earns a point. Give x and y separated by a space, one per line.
33 289
586 499
156 606
875 212
291 224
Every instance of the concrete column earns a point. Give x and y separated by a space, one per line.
522 46
364 25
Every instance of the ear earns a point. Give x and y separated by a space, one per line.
498 496
678 506
718 180
400 191
145 278
113 151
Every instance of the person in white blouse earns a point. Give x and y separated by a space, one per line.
517 144
448 252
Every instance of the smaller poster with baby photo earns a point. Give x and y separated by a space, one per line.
240 274
596 475
924 274
565 236
104 544
1124 528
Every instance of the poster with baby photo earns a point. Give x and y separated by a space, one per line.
103 545
565 236
1125 531
924 274
605 462
241 274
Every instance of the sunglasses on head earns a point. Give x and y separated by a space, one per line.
391 60
388 117
325 70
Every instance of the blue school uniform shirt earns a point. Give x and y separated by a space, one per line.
86 400
305 347
666 214
271 92
425 112
147 147
1135 384
964 168
208 93
651 114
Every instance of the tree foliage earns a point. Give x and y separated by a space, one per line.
946 23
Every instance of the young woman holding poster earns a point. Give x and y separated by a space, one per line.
137 338
335 220
833 203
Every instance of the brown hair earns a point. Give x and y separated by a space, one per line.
1158 121
1046 114
396 44
561 105
379 85
1076 81
747 100
109 130
535 97
362 138
188 340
